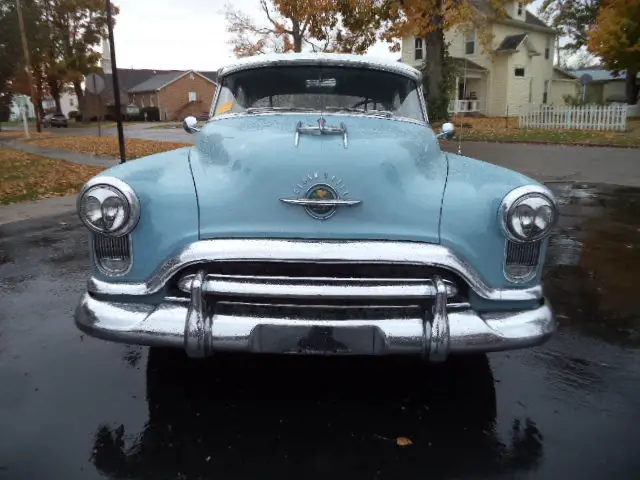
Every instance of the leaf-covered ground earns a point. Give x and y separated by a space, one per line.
501 129
24 176
107 146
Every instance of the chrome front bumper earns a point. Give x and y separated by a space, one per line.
203 329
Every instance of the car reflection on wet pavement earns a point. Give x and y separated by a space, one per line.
76 407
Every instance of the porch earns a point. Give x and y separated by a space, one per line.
470 88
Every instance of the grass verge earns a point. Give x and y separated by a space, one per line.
24 176
500 129
107 146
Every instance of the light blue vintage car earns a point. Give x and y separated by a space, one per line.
317 214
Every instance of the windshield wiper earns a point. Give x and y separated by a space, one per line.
277 109
381 113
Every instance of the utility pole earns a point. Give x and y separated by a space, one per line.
116 84
27 59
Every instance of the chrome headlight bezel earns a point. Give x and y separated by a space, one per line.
117 188
523 196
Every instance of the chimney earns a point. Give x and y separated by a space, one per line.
106 56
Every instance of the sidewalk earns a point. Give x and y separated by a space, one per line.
47 206
81 158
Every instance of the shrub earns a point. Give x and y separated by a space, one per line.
74 114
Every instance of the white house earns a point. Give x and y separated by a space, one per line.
516 72
68 102
17 103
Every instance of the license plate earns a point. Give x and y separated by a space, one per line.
317 340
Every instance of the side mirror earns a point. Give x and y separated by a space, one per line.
447 131
190 125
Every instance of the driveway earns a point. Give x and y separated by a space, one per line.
75 407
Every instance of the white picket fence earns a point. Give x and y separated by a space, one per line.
586 117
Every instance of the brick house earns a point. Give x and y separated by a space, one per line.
176 94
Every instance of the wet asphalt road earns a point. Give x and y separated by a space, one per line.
75 407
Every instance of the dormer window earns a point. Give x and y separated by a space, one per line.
418 49
470 42
520 7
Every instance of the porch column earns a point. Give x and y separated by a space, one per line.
455 95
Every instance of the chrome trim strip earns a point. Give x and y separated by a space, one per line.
314 202
315 251
294 287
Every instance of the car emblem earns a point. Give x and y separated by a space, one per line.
321 200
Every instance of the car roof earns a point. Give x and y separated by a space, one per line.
331 59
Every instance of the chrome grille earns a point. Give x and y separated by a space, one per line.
112 254
521 260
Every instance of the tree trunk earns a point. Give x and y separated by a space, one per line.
297 35
435 90
77 87
631 86
54 90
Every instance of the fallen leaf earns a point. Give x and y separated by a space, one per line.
403 441
24 176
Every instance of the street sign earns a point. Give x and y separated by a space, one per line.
94 83
586 79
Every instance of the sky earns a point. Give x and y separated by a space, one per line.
186 34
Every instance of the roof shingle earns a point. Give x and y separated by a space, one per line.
156 82
511 42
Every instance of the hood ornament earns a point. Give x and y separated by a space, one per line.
321 199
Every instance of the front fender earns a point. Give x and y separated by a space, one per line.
469 222
168 210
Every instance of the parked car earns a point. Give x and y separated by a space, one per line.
317 214
55 120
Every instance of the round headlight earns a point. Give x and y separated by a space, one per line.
109 206
528 213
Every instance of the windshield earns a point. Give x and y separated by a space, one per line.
301 88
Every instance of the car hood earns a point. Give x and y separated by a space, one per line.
244 166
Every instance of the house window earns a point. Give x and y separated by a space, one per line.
547 50
470 42
192 96
71 103
545 93
518 72
519 8
418 49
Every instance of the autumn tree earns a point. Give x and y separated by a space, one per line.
616 39
294 25
9 55
77 26
430 19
